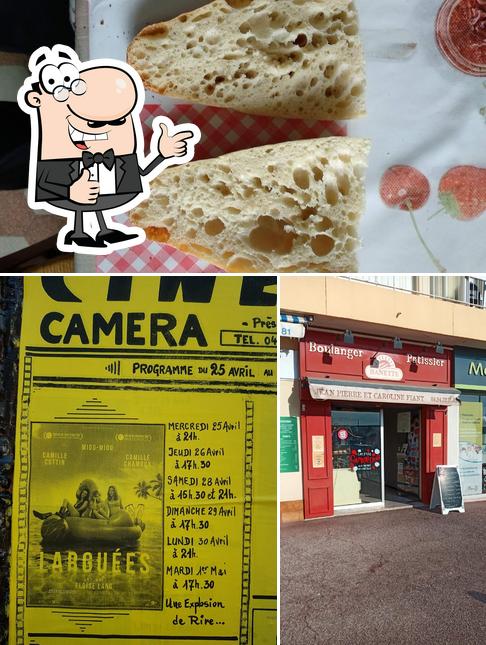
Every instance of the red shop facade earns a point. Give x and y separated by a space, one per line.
374 419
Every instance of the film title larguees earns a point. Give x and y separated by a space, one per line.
145 487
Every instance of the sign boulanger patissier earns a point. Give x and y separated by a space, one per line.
325 354
145 480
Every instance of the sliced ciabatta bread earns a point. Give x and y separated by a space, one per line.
290 58
289 207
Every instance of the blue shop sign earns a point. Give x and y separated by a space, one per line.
470 368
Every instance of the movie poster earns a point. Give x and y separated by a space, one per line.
145 481
98 532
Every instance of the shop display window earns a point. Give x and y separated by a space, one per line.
472 444
357 457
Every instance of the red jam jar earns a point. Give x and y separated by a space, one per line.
461 34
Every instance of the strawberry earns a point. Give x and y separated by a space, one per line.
462 192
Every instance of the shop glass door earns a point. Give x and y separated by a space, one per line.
357 455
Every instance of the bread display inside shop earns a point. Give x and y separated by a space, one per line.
287 58
289 207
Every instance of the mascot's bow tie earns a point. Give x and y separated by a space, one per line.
108 159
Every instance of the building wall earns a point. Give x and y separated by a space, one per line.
395 312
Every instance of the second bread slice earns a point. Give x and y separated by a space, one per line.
288 207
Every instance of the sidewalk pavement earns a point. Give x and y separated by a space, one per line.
400 577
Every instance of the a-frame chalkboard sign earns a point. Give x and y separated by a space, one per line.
447 490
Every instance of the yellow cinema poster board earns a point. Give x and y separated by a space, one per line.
145 478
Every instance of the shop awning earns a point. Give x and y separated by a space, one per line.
293 326
290 318
326 390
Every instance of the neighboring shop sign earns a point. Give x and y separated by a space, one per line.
289 445
447 490
324 392
470 368
372 359
470 447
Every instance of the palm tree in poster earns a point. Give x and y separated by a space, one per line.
154 488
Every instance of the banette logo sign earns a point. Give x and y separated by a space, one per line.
386 370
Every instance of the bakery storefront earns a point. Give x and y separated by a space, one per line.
470 379
373 419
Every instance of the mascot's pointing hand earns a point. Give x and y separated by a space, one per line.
175 146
